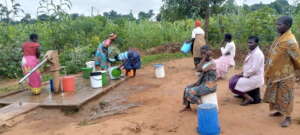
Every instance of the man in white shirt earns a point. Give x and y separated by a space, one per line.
252 77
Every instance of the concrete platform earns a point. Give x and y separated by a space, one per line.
83 94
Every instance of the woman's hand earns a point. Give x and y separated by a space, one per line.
228 53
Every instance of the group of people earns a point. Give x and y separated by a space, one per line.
277 72
130 63
31 53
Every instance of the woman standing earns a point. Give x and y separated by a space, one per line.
198 38
30 59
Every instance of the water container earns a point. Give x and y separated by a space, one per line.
208 121
105 80
51 85
186 47
86 72
96 80
123 56
68 83
159 71
114 73
210 99
91 64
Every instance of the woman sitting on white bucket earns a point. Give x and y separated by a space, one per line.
206 83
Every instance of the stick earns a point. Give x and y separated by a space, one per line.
112 111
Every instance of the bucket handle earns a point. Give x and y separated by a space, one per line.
96 79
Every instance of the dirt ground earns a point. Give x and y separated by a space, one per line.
158 114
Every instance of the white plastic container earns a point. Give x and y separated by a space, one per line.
96 80
159 71
91 64
210 99
116 69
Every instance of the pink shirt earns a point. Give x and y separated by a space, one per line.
30 48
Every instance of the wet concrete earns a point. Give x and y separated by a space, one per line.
82 94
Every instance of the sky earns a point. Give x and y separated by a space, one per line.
121 6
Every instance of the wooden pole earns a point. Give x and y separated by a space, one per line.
53 58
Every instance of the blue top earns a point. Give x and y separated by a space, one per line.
102 56
133 61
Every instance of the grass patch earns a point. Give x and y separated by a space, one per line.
148 59
15 87
9 89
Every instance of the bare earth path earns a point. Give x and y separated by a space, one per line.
159 112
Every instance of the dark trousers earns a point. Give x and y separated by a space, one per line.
255 94
197 60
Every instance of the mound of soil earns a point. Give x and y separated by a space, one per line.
165 48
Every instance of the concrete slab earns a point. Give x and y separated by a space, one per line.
15 109
83 94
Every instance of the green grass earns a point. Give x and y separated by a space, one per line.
9 89
45 77
149 59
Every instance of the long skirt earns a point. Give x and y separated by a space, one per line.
34 80
280 96
223 65
192 95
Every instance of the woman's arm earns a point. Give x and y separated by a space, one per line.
38 53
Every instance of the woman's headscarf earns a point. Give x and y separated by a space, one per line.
197 23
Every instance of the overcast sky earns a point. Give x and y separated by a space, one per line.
121 6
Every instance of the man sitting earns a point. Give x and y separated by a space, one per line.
247 83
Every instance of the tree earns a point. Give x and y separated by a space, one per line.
210 7
181 9
113 15
45 17
230 7
26 18
281 6
145 16
74 16
8 13
55 8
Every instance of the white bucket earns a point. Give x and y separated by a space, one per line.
91 64
210 99
96 80
159 71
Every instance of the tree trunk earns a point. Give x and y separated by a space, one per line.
207 14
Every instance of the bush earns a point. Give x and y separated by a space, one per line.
77 39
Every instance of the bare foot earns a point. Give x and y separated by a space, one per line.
186 109
247 102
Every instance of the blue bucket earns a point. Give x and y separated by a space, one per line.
208 121
186 47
